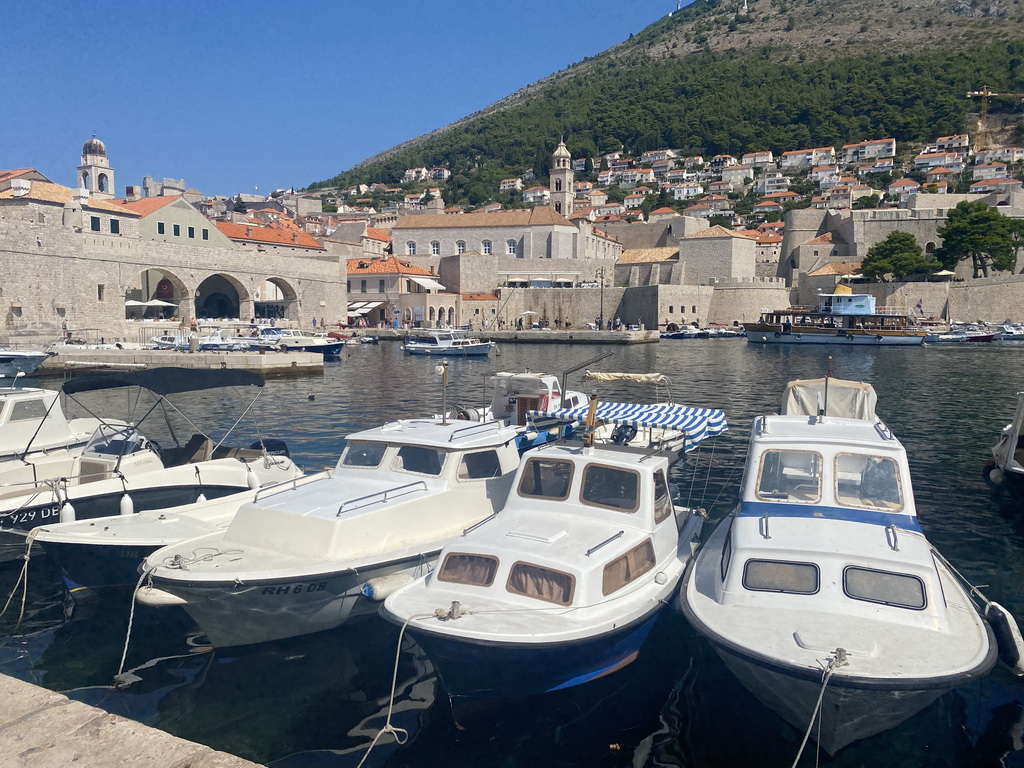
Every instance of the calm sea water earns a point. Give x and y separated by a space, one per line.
320 700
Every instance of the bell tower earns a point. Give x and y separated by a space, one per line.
562 192
95 174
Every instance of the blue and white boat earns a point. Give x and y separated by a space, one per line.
820 591
449 343
562 585
15 361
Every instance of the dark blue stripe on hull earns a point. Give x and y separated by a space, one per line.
85 567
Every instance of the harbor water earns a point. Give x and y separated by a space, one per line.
321 700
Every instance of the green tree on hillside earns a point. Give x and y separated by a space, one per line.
977 232
898 255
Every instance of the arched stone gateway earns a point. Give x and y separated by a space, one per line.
156 294
275 298
222 297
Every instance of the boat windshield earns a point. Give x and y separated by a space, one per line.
787 475
26 410
867 481
419 460
546 479
110 440
618 489
363 454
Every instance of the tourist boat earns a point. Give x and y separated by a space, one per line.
820 591
447 342
1005 470
119 471
296 562
1008 332
839 318
15 361
177 341
563 584
297 340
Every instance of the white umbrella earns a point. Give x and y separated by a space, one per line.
134 303
528 312
159 303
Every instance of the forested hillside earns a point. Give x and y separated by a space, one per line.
711 79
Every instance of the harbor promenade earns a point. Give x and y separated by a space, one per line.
69 359
545 336
45 729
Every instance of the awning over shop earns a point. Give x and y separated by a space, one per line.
427 283
357 308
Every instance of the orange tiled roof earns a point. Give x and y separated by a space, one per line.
295 238
479 297
46 192
717 231
373 233
663 209
825 239
5 175
837 268
389 266
147 205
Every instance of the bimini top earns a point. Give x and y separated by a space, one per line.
166 381
845 399
696 423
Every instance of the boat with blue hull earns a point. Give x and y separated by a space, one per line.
447 343
563 585
820 591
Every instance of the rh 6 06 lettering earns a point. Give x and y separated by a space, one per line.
296 589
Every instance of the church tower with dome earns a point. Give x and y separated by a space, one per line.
562 192
95 174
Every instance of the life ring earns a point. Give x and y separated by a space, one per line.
797 336
878 338
849 337
778 335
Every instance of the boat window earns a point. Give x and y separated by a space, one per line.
541 583
790 476
867 481
622 570
662 498
416 458
363 454
113 441
780 576
610 487
3 402
546 478
726 553
462 568
897 589
24 410
479 466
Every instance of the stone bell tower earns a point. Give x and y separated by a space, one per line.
95 174
562 192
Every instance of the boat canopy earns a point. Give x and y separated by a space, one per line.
846 399
696 424
636 378
166 381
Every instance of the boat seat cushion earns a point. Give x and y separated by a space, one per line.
198 448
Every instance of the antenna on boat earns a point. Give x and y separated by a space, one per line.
828 375
442 371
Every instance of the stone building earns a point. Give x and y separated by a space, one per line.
716 254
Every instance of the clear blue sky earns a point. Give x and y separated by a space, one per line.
230 95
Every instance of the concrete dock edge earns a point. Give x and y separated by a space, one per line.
45 729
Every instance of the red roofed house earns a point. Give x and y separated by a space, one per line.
379 287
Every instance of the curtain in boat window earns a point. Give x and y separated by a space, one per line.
541 583
462 568
622 570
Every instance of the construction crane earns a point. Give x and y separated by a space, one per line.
985 93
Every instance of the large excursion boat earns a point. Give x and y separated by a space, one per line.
839 318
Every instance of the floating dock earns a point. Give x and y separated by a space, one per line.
267 364
42 729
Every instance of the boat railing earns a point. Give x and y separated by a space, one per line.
896 311
472 430
283 485
381 497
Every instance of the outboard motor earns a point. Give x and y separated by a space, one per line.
271 447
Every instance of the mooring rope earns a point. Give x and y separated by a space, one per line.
122 681
22 580
838 659
400 734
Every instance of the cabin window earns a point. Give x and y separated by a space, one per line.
546 479
28 409
612 488
867 481
780 576
416 458
480 466
897 589
461 568
662 498
541 583
622 570
726 553
363 454
790 476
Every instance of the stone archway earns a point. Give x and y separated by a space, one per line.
221 296
157 285
275 298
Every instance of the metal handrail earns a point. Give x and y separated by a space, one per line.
491 425
604 543
294 482
383 496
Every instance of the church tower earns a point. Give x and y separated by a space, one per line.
562 192
95 174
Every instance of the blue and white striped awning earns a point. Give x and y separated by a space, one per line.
696 423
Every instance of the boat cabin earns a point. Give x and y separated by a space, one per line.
32 419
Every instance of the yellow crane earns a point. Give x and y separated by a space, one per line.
985 93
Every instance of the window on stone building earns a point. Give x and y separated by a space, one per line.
410 248
460 246
348 286
362 286
486 247
510 247
206 234
192 233
693 310
435 248
99 293
671 310
177 230
94 223
115 226
160 228
380 286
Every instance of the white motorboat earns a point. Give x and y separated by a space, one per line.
295 563
33 427
177 340
15 361
222 340
119 471
565 582
1008 332
820 591
1005 470
447 342
296 340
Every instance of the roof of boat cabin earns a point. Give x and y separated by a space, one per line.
797 430
455 435
22 391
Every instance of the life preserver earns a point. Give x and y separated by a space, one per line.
797 336
849 337
778 335
878 338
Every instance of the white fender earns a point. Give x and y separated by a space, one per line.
251 480
157 598
200 497
127 506
379 588
67 513
996 475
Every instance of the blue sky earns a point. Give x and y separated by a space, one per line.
231 95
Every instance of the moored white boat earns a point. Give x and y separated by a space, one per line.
820 591
297 340
15 361
1005 470
839 318
296 562
447 342
563 585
